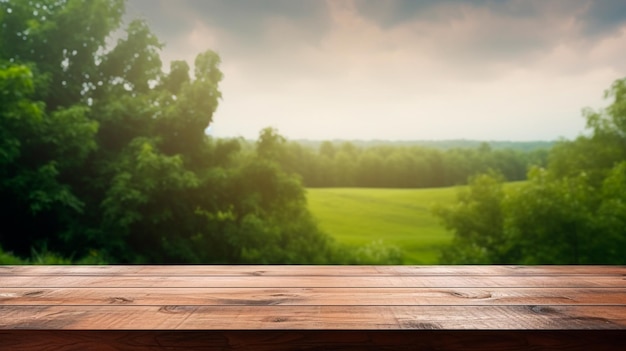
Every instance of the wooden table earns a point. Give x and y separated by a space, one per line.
312 308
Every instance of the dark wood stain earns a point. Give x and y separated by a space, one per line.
33 293
420 325
543 310
176 309
120 300
276 319
478 295
252 302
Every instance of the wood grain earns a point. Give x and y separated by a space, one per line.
203 281
184 317
312 307
312 296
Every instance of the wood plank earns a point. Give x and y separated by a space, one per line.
510 340
181 317
296 270
312 307
312 296
522 281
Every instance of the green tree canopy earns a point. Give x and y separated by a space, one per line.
569 213
103 154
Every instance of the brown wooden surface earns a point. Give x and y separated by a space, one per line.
312 296
314 281
312 307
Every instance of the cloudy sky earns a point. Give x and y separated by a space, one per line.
400 69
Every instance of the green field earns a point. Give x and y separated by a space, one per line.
399 217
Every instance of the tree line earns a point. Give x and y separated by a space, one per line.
104 156
573 211
346 164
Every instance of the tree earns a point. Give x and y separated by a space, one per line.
37 152
570 213
102 153
61 41
550 221
478 223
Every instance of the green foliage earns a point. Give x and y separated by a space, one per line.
376 252
45 257
6 258
551 221
134 61
401 166
103 156
477 221
570 213
37 149
271 145
60 39
610 218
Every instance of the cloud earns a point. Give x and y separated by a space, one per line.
514 69
604 17
247 21
480 35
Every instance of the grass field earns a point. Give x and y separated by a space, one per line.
399 217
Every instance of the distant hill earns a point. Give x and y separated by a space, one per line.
439 144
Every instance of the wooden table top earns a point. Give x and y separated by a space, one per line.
312 297
281 308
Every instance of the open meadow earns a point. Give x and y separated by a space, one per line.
399 217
